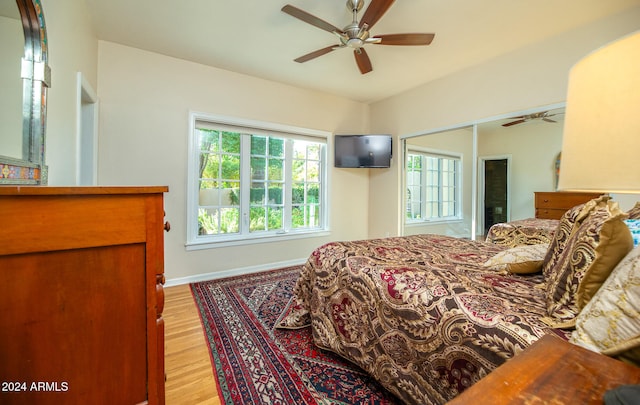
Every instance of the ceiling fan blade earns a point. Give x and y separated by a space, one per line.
363 61
508 124
548 120
315 54
374 12
310 19
405 39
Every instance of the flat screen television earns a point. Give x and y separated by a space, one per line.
362 151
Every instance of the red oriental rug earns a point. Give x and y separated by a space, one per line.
255 363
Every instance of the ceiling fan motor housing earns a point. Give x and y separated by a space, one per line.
355 36
355 5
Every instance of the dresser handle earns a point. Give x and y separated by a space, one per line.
167 226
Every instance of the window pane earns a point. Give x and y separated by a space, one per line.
276 169
229 220
298 193
299 172
208 221
258 145
230 142
313 171
257 219
297 217
275 218
208 140
257 194
208 184
306 216
313 151
230 167
275 194
209 165
258 168
313 194
276 147
209 194
232 191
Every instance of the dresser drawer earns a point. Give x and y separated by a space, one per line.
549 213
551 205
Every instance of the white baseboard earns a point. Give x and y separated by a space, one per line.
233 272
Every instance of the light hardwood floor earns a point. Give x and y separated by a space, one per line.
187 363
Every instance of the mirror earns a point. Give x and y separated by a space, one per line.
11 51
523 151
26 76
515 155
438 181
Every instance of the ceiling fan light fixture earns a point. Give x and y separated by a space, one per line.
355 43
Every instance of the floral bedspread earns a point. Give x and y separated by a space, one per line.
420 313
528 231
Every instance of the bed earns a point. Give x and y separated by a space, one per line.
429 315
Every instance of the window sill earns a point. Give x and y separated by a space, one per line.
209 244
433 222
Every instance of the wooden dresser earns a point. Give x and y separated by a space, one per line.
81 295
551 371
551 205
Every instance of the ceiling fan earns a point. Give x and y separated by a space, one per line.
356 35
543 116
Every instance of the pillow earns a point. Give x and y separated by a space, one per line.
591 252
634 213
565 228
523 259
610 322
634 227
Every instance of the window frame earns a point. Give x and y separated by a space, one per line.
194 241
440 154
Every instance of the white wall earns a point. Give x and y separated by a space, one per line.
530 77
73 48
145 99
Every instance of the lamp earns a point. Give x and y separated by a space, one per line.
601 140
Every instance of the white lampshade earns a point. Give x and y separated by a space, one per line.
601 140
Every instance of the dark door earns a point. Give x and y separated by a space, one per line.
495 192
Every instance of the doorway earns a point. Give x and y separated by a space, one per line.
495 189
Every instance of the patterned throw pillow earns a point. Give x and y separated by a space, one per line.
523 259
591 252
565 228
610 322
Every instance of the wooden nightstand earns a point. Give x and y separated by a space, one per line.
551 371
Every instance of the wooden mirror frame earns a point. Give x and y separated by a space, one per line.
36 76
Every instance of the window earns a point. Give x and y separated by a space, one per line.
254 181
433 186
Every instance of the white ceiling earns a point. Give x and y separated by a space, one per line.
256 38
